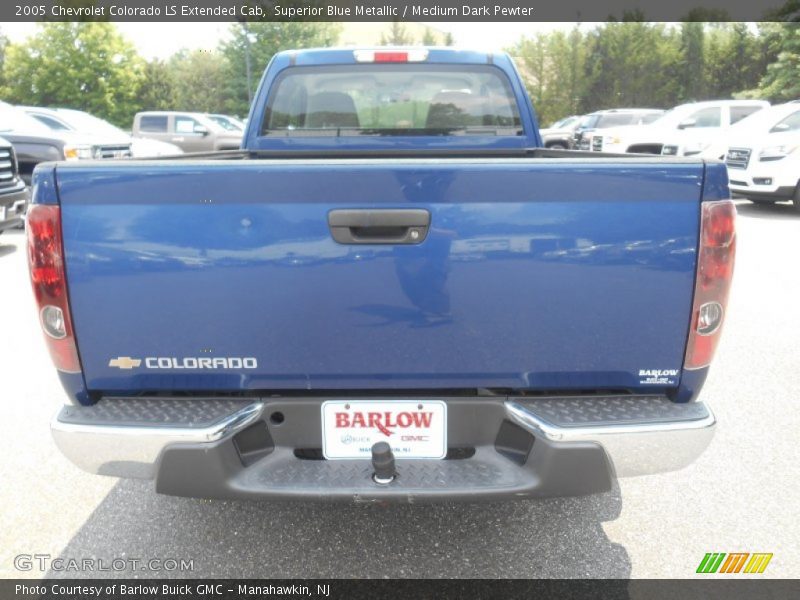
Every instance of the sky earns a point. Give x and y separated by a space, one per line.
161 40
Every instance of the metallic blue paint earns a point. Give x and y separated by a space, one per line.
43 184
537 273
75 387
691 383
716 182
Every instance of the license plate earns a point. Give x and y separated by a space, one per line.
414 429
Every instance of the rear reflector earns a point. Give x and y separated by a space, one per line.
46 265
713 281
391 56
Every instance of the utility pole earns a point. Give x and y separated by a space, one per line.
247 41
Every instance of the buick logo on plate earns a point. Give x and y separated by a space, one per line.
354 439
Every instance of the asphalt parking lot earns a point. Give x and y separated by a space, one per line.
741 496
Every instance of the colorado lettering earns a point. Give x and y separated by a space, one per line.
206 362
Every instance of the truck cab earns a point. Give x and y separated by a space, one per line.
373 99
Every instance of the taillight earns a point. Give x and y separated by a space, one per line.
46 265
391 56
713 282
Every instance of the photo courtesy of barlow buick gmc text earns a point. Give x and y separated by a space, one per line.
326 301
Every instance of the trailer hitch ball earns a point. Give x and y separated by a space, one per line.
383 463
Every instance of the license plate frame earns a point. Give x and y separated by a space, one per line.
405 420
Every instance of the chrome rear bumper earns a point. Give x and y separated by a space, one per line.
573 439
635 443
129 449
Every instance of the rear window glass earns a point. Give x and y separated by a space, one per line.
617 119
705 117
52 123
153 123
392 99
790 123
651 117
185 124
740 112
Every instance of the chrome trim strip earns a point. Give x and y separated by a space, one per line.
639 448
134 450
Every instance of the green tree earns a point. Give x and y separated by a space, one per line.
429 37
157 90
631 64
198 80
532 58
3 49
734 60
781 82
264 40
88 66
397 35
553 68
448 39
692 69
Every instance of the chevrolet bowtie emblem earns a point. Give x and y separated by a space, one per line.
124 362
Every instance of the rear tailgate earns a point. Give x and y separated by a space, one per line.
534 274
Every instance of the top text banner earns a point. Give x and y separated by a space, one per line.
398 10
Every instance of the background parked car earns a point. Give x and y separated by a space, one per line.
715 144
227 122
559 134
145 147
766 167
692 123
14 194
615 117
67 119
35 142
192 132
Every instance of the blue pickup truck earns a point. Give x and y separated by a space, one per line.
391 292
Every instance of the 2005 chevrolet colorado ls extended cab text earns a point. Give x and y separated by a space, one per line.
392 292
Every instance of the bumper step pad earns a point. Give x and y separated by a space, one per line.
553 446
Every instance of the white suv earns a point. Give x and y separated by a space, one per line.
766 168
694 123
715 144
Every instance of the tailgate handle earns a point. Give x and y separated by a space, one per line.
379 226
